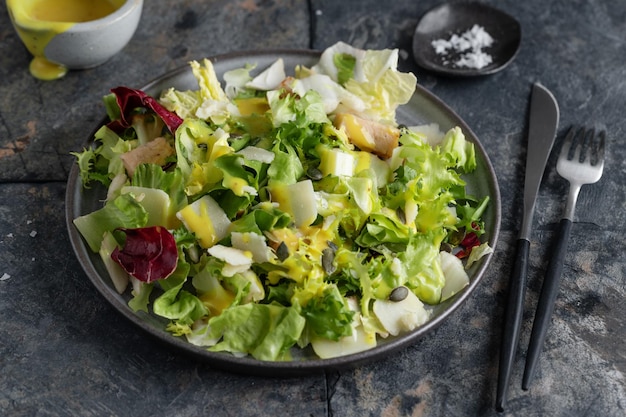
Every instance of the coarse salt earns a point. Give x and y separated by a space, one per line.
467 48
5 276
474 60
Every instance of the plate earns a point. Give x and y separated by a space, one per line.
424 107
444 21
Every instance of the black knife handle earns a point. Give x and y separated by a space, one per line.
512 320
547 299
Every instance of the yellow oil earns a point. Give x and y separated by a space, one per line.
71 10
38 21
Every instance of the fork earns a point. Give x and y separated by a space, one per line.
581 162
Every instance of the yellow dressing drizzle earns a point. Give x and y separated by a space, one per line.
200 223
46 70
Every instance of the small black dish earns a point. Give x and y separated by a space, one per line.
444 21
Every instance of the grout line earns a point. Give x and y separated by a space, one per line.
32 181
312 24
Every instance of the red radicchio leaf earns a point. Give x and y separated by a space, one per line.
470 241
129 99
149 254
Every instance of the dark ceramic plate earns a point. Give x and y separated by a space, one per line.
456 18
423 108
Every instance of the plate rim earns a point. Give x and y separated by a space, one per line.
248 365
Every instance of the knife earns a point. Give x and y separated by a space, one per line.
543 122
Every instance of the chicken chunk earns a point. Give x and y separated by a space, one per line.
368 135
153 152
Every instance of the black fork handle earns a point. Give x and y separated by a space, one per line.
547 299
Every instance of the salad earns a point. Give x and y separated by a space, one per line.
267 212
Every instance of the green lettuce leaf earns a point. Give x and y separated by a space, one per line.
345 64
470 214
236 174
263 218
124 211
178 304
102 162
421 266
286 168
459 152
384 88
147 126
384 229
266 331
111 107
197 147
141 297
88 171
236 80
303 110
153 176
113 146
432 172
210 87
478 252
183 103
328 315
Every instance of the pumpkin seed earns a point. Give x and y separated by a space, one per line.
314 174
446 247
282 251
398 293
328 257
401 215
456 237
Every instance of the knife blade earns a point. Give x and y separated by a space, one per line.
543 123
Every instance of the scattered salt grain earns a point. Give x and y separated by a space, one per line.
33 233
467 48
10 235
5 276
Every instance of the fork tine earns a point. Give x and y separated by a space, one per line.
566 146
582 143
600 149
590 146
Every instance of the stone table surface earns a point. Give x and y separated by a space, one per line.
64 351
